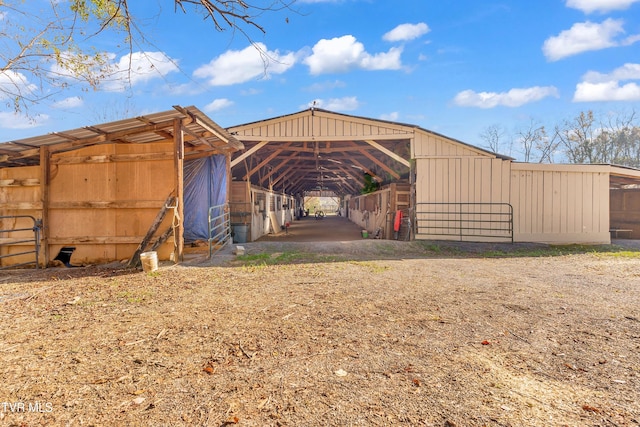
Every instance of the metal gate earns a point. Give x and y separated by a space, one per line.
465 221
8 239
219 228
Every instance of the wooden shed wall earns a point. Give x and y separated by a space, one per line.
101 199
625 211
20 194
560 203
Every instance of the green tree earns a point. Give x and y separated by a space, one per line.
46 44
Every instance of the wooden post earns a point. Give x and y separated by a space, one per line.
178 161
228 160
45 176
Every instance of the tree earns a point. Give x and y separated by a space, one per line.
43 49
534 140
587 140
493 137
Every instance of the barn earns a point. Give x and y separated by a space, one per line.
446 189
110 191
107 192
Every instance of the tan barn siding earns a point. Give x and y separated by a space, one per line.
321 125
559 203
457 181
426 144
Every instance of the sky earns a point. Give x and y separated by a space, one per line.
455 68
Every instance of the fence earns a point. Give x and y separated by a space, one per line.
8 241
465 220
219 228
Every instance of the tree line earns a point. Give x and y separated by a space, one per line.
584 139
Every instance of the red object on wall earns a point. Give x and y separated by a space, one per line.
398 221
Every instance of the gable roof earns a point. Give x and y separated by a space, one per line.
320 149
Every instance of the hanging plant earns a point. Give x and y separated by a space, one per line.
370 185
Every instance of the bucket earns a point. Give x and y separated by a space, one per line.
365 234
240 233
149 261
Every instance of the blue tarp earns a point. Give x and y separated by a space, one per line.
205 185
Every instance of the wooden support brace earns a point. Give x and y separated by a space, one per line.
135 259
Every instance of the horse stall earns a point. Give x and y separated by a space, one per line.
109 192
384 213
257 211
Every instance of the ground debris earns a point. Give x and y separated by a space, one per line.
352 340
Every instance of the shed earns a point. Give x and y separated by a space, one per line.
102 189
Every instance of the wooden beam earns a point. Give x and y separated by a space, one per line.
262 163
367 170
278 167
195 119
337 138
97 204
178 236
98 240
45 178
112 158
22 206
247 153
381 164
388 152
134 261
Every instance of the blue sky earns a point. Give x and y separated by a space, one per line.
450 67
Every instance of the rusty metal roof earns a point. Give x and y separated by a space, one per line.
199 131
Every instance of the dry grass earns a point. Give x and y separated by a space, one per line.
382 334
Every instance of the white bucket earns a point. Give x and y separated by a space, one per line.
149 261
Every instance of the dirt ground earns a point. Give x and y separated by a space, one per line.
365 332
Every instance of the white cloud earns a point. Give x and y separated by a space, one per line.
17 121
324 86
72 102
392 117
139 67
217 105
589 6
342 54
131 69
12 84
348 103
607 91
405 32
585 36
597 86
514 98
239 66
626 72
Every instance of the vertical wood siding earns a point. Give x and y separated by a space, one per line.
560 203
452 185
320 125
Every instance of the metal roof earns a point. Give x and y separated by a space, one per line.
201 134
